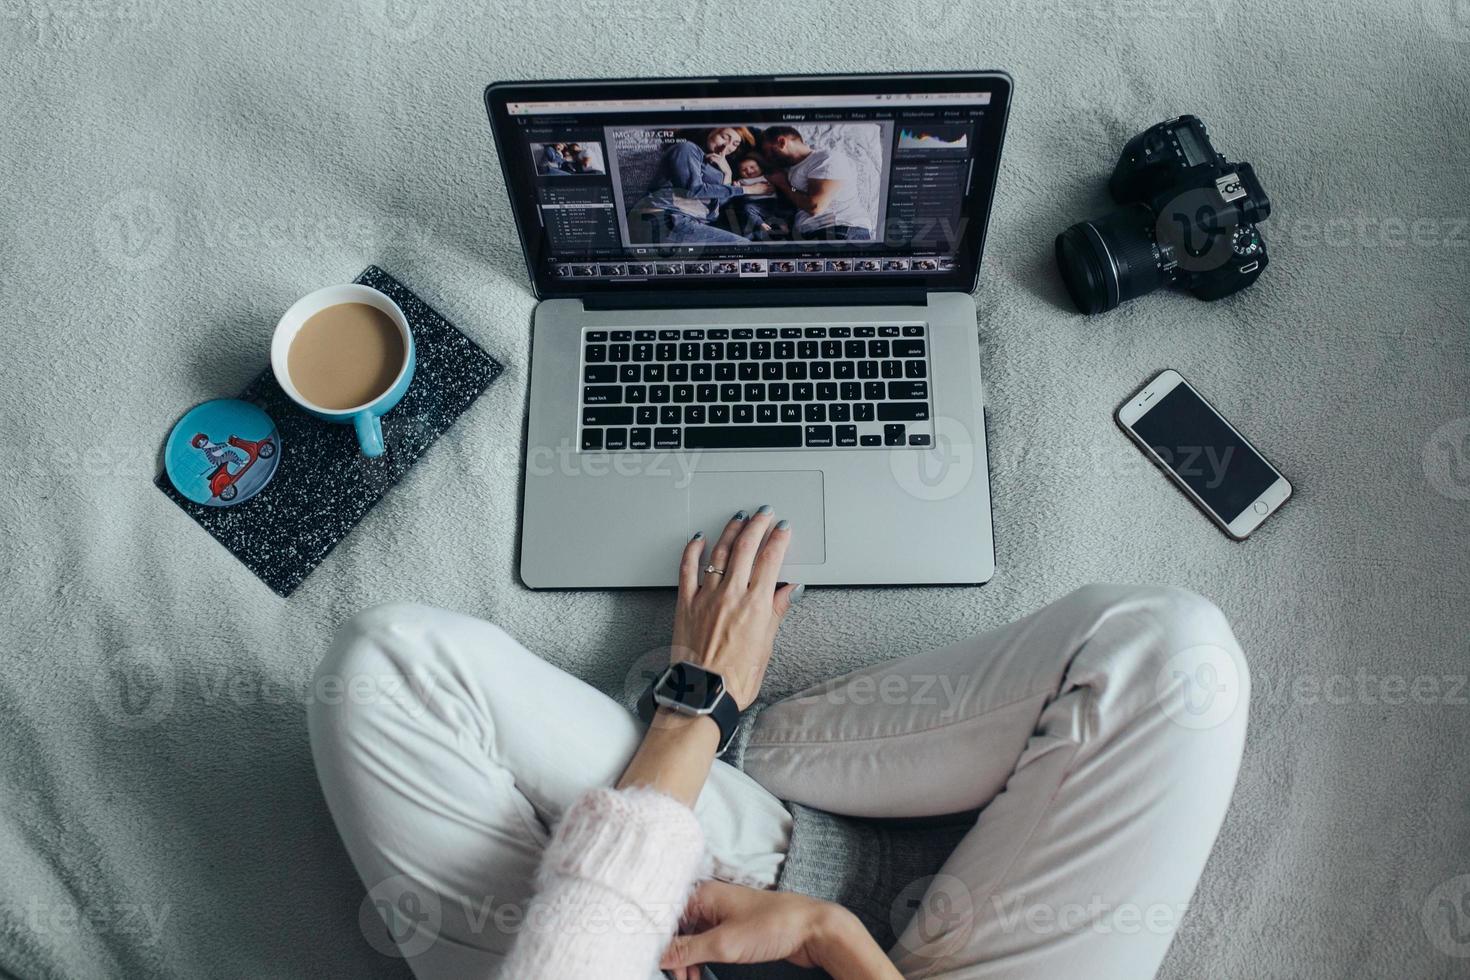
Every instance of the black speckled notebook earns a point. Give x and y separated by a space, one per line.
323 486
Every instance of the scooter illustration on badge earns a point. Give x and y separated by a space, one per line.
242 453
240 446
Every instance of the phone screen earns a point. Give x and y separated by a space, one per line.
1204 452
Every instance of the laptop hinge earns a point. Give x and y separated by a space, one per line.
680 299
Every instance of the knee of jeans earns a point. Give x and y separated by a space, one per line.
1186 663
369 664
364 640
1199 672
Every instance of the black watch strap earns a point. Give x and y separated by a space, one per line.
726 715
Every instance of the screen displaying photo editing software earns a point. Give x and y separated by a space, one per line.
804 187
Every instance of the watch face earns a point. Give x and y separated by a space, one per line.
690 686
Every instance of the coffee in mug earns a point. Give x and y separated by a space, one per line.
345 356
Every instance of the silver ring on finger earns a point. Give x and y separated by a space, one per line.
712 570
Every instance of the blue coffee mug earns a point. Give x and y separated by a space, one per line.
365 418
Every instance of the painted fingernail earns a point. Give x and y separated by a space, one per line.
797 593
697 536
783 525
739 516
764 509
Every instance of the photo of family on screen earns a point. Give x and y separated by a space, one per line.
751 184
568 159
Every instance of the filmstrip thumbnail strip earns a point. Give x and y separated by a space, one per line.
749 267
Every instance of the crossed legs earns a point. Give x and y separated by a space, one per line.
1079 732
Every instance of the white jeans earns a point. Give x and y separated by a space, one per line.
1099 737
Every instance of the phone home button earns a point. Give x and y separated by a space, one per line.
1262 507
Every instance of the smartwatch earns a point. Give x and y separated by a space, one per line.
688 689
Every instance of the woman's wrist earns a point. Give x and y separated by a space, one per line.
675 723
829 928
843 947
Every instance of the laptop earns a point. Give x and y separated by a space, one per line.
754 290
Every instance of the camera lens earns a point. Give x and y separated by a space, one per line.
1109 259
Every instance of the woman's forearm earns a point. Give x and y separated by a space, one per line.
675 756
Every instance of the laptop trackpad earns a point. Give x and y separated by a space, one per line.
797 497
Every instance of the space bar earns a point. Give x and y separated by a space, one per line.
742 437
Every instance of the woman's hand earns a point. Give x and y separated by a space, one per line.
719 160
759 187
732 924
727 623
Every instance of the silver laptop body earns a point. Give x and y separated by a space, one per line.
663 400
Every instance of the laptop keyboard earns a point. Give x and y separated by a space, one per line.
829 387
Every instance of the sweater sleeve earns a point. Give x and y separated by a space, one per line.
611 887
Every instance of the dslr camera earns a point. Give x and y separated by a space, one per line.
1188 219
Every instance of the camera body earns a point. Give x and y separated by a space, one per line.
1188 220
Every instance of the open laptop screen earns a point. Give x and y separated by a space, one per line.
708 185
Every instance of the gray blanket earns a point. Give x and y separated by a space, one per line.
175 175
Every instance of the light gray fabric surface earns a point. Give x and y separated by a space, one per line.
175 175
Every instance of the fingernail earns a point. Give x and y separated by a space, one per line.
764 509
739 516
697 535
797 593
782 524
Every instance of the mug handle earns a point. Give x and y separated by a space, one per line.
369 434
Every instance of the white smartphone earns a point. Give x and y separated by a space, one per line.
1212 463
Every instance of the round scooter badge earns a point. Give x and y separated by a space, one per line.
222 453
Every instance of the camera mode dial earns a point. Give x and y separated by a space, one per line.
1247 241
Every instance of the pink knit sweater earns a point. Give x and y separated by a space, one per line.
611 888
